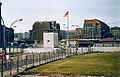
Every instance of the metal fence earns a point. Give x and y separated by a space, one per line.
19 64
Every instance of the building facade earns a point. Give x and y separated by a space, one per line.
26 36
9 35
79 33
6 36
50 39
39 27
95 29
18 36
115 31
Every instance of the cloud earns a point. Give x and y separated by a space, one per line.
33 10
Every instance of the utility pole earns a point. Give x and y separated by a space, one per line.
1 38
1 28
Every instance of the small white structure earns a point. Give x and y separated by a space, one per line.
50 39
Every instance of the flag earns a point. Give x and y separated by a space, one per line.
66 14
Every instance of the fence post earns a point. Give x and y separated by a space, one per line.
33 59
2 68
49 57
26 61
17 50
10 67
58 53
70 51
54 55
45 57
18 64
63 53
39 58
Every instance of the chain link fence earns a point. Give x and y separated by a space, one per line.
18 64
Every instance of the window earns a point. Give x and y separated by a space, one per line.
48 40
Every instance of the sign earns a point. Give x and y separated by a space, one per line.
7 57
3 57
2 52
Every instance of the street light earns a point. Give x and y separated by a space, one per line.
10 41
15 22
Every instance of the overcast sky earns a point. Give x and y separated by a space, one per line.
30 11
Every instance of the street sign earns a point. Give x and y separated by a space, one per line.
3 57
2 52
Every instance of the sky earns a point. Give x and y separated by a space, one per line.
31 11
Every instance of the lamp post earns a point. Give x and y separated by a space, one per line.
2 39
12 28
10 40
15 22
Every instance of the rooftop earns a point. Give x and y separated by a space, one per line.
91 21
115 28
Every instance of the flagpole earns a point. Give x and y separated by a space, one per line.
68 29
67 23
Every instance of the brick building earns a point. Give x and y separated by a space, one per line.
95 29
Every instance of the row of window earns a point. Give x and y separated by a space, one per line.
107 45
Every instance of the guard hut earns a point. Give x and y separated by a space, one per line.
50 39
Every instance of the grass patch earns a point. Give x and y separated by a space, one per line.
107 64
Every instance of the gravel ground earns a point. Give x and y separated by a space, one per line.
56 75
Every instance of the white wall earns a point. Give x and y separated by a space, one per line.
106 49
98 49
56 43
38 50
50 40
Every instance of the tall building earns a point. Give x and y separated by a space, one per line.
18 36
6 36
39 27
63 34
31 35
26 36
9 35
71 34
115 31
95 29
79 33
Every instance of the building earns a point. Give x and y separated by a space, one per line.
50 38
63 34
6 36
115 31
18 36
39 27
71 34
95 29
26 36
9 35
79 33
31 34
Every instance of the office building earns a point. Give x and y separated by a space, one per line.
79 33
6 36
95 29
39 27
18 36
115 31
